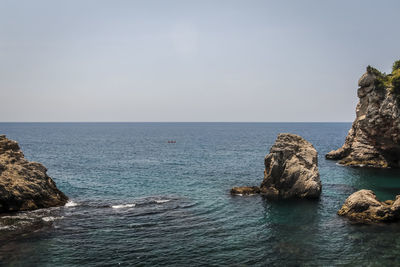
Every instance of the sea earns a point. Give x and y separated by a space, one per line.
136 199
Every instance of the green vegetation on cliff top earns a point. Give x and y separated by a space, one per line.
390 81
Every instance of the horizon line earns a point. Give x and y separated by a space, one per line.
175 121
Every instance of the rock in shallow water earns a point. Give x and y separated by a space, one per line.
245 190
364 207
24 185
291 170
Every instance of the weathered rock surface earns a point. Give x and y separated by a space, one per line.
24 185
363 207
245 190
374 139
291 169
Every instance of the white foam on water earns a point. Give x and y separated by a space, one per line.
20 216
48 219
123 206
71 204
162 201
51 218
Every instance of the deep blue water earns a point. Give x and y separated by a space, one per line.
143 202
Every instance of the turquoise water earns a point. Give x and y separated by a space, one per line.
138 201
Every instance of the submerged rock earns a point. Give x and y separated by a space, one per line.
245 190
291 169
24 185
364 207
374 138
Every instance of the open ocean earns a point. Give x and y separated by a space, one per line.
136 200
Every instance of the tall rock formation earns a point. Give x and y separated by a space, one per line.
374 138
291 170
24 185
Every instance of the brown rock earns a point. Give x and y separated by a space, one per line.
374 139
24 185
245 190
364 207
291 169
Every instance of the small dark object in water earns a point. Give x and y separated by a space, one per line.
245 190
171 142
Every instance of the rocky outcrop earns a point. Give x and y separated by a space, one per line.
363 207
245 190
291 170
374 138
24 185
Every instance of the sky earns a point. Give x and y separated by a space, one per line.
172 61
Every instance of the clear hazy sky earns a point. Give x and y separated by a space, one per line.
190 60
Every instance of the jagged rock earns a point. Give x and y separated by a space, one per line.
291 169
245 190
374 139
363 207
24 185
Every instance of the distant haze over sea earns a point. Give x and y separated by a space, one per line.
236 60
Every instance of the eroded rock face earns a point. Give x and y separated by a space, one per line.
374 139
291 169
24 185
363 207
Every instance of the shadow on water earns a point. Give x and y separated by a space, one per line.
302 232
384 182
293 228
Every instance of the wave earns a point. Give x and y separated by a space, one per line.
123 206
7 227
51 218
71 204
160 201
141 202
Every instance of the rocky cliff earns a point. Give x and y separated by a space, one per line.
374 138
24 185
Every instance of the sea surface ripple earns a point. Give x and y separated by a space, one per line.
137 200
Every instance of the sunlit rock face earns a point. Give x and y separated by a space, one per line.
363 207
374 138
291 169
24 185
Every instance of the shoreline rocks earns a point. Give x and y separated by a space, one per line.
291 170
364 207
374 138
24 185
